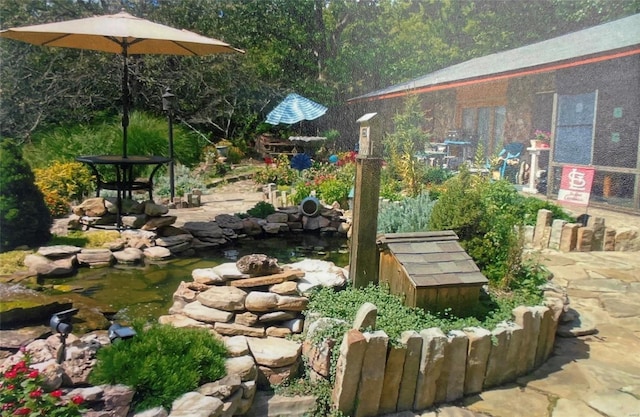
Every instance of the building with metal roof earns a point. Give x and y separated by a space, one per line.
583 88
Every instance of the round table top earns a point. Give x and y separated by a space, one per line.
122 160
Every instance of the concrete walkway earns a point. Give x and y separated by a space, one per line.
593 375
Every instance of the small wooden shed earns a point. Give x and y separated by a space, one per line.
431 270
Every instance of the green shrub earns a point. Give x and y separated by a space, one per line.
161 363
436 175
531 205
235 155
409 215
302 191
486 217
279 173
394 317
335 190
24 217
184 182
261 210
62 183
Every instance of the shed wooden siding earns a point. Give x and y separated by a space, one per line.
431 270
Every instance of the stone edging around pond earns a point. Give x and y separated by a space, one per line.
166 241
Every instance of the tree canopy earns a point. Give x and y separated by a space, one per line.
327 50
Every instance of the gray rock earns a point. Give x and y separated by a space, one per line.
153 412
199 312
207 276
274 352
155 210
237 345
169 241
154 223
228 221
193 404
157 253
258 265
225 298
204 229
58 251
244 366
134 221
47 267
128 256
233 329
222 388
95 257
366 317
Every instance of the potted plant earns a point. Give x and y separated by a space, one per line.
541 139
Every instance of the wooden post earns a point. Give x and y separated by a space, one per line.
363 265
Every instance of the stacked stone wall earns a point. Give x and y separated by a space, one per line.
557 234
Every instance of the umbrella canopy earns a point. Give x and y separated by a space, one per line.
295 108
123 34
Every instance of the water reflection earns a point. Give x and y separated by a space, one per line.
145 291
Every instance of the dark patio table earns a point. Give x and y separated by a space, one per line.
125 183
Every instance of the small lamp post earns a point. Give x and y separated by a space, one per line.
167 105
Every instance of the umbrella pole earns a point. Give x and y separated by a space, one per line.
125 100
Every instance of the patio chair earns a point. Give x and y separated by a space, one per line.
510 156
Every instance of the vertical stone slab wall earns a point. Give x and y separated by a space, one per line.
557 234
375 377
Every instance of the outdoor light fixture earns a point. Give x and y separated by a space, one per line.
118 332
61 323
167 105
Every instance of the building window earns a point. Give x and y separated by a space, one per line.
485 125
574 128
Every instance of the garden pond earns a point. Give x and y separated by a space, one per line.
145 291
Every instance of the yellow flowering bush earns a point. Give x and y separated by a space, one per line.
61 183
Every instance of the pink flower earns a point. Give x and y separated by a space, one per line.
34 374
10 374
22 411
77 399
56 394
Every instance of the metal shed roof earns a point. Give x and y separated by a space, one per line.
619 35
433 258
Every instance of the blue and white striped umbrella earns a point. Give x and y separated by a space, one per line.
295 108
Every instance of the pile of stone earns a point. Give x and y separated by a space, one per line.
101 211
254 304
253 297
558 234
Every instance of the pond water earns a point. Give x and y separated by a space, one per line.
145 291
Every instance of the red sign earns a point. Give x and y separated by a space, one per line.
575 186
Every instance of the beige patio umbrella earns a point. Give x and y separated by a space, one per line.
123 34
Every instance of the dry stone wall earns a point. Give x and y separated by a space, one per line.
556 234
376 377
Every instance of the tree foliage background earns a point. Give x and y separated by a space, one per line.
327 50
